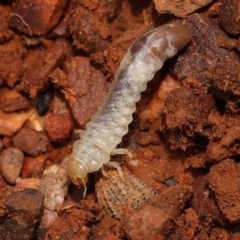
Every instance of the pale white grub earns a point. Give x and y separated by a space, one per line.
105 131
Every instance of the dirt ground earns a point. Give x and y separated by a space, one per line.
58 59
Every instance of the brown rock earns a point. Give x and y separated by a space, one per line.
7 142
30 141
12 54
74 220
21 209
11 160
229 16
10 123
3 182
189 227
36 17
225 137
224 181
33 167
179 8
220 233
11 101
156 218
204 202
84 87
108 228
210 60
37 74
33 183
54 184
89 30
186 116
58 127
5 34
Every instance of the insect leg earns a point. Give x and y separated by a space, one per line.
117 151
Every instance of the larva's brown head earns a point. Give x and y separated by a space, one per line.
76 171
164 41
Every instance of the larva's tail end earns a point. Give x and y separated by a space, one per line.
77 172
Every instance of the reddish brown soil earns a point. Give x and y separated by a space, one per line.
58 59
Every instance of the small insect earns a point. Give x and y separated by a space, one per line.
110 123
113 194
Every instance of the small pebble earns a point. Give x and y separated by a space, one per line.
31 141
11 161
33 167
7 142
11 101
28 183
58 127
20 212
54 184
10 123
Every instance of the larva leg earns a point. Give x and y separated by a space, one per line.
118 151
117 166
104 173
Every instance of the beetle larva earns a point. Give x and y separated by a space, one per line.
110 123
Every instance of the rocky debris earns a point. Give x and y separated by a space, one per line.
220 233
3 182
225 137
109 8
156 218
156 106
7 142
204 202
188 226
11 101
211 60
75 220
58 127
84 87
186 117
31 141
6 34
33 167
33 183
107 228
10 123
12 54
36 17
179 8
224 181
54 184
89 29
20 213
229 16
36 76
11 161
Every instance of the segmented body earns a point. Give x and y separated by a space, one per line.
107 127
